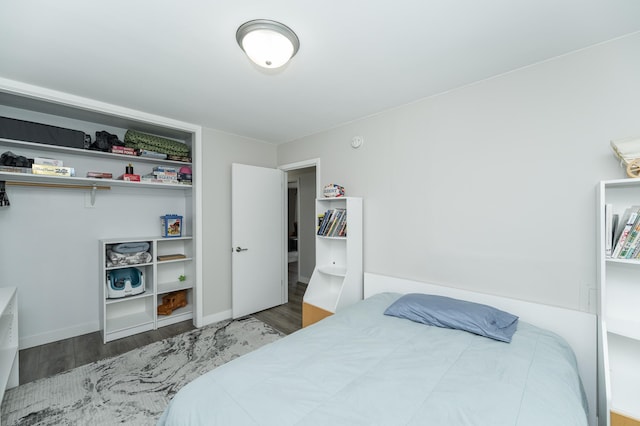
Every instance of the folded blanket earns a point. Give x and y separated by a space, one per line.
120 259
131 247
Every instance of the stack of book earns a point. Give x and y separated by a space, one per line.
622 241
333 223
162 174
50 166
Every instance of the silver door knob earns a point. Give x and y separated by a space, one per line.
239 249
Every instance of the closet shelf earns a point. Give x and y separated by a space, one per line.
98 183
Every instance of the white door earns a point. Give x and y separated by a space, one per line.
257 238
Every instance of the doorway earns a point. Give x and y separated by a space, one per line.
305 178
301 223
303 188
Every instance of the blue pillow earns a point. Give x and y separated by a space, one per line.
446 312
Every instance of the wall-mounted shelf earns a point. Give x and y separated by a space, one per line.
72 180
89 152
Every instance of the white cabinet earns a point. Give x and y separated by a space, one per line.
619 309
170 268
337 279
9 369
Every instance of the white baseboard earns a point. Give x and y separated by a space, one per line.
55 335
213 318
304 280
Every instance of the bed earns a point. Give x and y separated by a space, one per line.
362 367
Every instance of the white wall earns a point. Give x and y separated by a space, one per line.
491 186
219 151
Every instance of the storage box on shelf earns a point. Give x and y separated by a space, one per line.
169 269
336 281
619 288
9 358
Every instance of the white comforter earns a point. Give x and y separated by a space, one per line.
360 367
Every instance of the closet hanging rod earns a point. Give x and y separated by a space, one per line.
56 185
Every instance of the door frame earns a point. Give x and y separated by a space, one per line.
304 164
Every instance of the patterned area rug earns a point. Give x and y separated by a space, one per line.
133 388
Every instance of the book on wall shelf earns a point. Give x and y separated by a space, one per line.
333 223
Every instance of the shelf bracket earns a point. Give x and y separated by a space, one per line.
93 195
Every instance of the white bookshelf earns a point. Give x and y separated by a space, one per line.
337 279
125 316
619 298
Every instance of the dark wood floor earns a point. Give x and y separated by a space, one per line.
287 318
56 357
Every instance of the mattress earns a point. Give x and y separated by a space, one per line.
360 367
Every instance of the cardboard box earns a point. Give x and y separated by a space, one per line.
130 177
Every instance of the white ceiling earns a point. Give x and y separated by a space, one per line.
180 59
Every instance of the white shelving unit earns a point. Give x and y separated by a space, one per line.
121 317
619 287
9 360
40 105
337 279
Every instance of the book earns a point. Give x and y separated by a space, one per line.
608 229
48 161
100 175
152 154
332 218
164 257
332 227
631 241
325 219
130 177
342 232
45 169
124 150
628 220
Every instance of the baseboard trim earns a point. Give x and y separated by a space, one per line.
55 335
213 318
304 280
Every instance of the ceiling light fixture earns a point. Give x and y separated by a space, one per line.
269 44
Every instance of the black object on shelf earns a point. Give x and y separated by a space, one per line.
11 128
4 198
